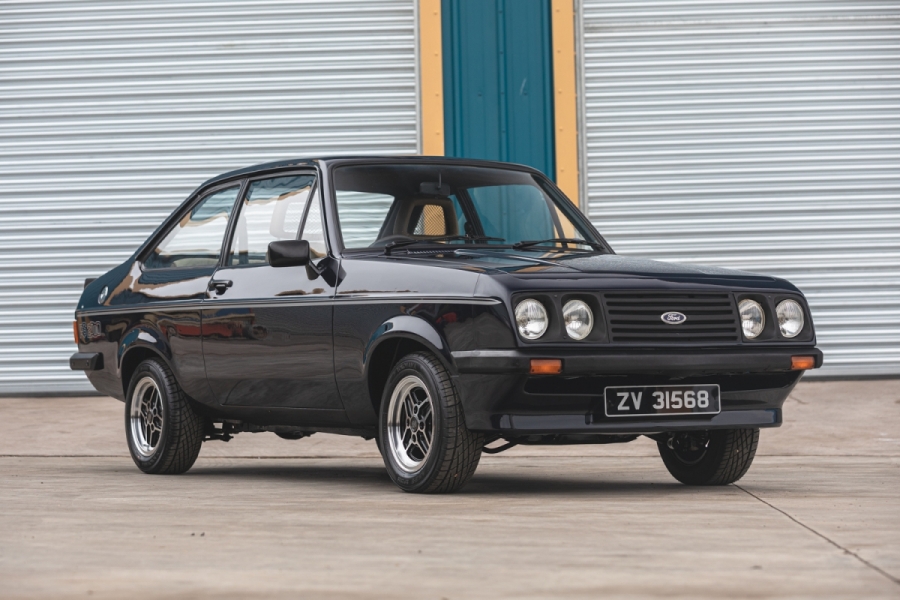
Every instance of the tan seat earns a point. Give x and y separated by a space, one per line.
426 217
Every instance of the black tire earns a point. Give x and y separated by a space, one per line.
453 452
169 445
716 457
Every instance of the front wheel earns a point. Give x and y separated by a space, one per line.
716 457
163 431
423 436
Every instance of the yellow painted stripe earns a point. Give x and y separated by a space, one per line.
564 97
431 77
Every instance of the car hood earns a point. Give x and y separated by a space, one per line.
505 267
622 271
525 264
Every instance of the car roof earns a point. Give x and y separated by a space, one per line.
312 162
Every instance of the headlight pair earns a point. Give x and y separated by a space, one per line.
753 318
532 320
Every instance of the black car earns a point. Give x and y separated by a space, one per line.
444 308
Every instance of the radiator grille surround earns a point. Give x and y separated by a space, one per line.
636 318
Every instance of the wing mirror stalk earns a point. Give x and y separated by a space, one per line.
314 271
293 253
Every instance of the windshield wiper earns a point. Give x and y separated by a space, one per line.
443 238
529 243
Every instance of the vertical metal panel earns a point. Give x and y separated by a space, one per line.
498 100
757 135
111 112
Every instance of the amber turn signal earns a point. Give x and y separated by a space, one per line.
802 363
75 330
546 366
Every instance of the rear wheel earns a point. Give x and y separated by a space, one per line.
423 436
716 457
163 431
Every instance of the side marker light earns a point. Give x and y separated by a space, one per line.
546 366
802 363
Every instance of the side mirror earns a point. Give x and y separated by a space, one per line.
288 253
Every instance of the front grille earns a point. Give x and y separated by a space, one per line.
635 317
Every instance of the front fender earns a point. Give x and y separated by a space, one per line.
412 328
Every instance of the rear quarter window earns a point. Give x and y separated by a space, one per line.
196 240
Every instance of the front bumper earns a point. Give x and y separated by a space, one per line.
501 396
651 362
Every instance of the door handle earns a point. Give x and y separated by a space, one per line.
220 285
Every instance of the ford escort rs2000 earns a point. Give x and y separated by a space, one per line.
444 308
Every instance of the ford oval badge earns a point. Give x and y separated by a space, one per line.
673 318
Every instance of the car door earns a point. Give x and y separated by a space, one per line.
267 332
171 281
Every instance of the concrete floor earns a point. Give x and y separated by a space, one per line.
818 515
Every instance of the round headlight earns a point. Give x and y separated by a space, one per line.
578 318
790 318
531 319
753 319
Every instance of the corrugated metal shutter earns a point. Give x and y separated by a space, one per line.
112 112
757 135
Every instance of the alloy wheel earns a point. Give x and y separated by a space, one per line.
410 425
146 418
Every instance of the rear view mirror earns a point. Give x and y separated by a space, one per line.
434 188
288 253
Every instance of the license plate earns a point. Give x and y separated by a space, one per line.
645 401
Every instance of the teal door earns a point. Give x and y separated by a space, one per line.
498 100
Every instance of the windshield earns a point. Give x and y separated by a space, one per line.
394 205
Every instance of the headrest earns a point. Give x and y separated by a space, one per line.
426 217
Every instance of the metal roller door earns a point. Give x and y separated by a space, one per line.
757 135
111 112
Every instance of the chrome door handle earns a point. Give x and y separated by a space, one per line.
220 285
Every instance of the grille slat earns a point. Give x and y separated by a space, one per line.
636 318
654 319
642 303
655 331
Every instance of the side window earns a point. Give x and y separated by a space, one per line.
196 240
272 210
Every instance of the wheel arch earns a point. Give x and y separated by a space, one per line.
394 339
138 345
